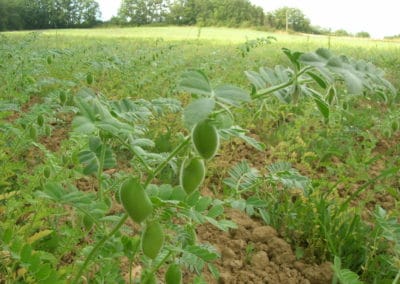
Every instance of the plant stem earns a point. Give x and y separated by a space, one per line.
383 174
133 150
100 170
264 92
130 270
165 162
96 248
125 216
155 268
396 280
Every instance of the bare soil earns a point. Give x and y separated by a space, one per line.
254 253
60 132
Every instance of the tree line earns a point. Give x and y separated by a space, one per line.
190 12
231 13
46 14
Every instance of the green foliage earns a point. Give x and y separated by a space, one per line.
141 12
92 157
341 32
42 14
58 218
293 17
344 276
363 34
245 48
191 12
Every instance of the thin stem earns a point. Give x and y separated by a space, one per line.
100 170
130 270
396 280
165 162
261 93
96 248
148 168
133 150
368 183
304 70
155 268
125 216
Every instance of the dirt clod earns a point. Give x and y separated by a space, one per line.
254 253
263 234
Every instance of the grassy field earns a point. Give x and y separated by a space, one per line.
315 161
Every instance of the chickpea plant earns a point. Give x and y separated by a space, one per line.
152 207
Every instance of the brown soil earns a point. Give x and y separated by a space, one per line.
24 108
61 129
271 259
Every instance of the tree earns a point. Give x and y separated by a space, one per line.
293 17
142 12
341 32
11 15
182 12
236 12
363 34
44 14
88 12
215 12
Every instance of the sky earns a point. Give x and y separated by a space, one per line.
378 18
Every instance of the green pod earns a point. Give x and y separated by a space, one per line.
192 174
173 274
89 78
40 120
387 133
152 239
47 172
63 97
47 130
33 133
395 125
148 278
151 279
87 222
205 139
135 200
